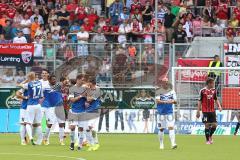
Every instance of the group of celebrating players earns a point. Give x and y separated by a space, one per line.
45 97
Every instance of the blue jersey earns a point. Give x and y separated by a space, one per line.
24 101
79 105
165 109
35 92
94 105
46 92
55 95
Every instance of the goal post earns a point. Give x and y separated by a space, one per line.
187 82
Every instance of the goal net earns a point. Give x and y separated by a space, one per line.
188 81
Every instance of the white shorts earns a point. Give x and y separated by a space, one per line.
22 116
165 121
77 119
34 114
49 114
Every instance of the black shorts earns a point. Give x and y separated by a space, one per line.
209 117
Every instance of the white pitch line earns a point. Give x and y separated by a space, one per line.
44 155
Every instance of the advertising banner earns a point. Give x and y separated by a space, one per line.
128 98
121 98
8 98
232 59
16 54
193 75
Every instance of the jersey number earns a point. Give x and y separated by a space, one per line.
37 91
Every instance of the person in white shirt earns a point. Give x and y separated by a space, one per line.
38 48
40 18
20 38
25 25
123 30
83 37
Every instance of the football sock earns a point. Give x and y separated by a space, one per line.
33 131
161 136
76 135
95 137
80 138
213 129
29 131
237 127
172 137
207 134
47 134
22 132
89 137
61 133
39 134
72 136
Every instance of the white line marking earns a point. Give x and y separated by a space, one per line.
43 155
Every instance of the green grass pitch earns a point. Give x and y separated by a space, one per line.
125 147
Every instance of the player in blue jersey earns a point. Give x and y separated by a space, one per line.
55 101
77 97
92 105
33 112
47 110
166 98
22 94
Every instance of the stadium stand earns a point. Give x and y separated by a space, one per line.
65 31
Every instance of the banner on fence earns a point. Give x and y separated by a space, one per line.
232 59
16 54
192 75
8 98
121 98
128 98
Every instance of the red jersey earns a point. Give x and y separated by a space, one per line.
29 11
208 97
3 7
135 6
236 11
222 14
136 27
87 27
107 28
11 12
115 28
71 9
92 18
17 3
81 14
230 32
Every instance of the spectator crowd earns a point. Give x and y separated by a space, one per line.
64 22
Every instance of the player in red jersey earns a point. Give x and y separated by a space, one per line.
207 100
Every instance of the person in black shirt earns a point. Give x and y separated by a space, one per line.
63 17
179 36
147 13
169 19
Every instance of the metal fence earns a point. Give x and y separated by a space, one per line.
133 64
